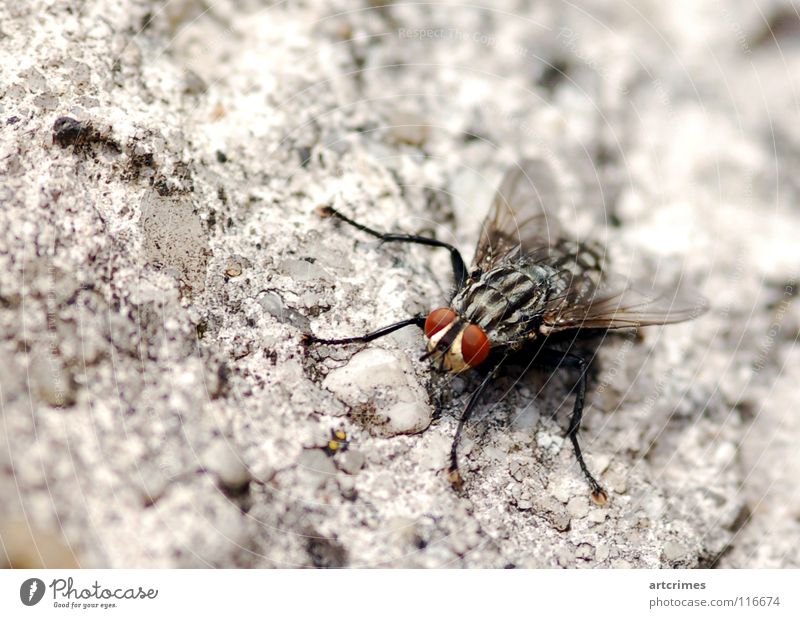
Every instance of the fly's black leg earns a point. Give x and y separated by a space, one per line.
417 320
453 474
553 358
459 268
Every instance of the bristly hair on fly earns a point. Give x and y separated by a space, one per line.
529 281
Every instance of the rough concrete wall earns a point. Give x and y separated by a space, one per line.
160 259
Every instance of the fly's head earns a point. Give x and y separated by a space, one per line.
457 344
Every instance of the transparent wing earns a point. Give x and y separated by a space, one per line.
584 305
523 223
522 218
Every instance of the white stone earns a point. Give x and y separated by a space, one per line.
387 377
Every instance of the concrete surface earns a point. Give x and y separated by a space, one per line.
160 260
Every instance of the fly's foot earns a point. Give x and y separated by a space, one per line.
324 211
454 476
599 496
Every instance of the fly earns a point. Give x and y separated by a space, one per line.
529 282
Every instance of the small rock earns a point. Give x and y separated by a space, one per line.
174 238
303 270
616 482
585 551
522 497
725 454
673 551
383 487
68 131
272 304
519 470
554 513
50 381
317 463
233 268
36 81
407 417
492 453
351 461
408 129
565 556
12 380
152 486
227 464
560 490
47 101
578 507
598 462
347 487
404 529
384 377
434 451
524 504
193 84
549 442
366 371
597 516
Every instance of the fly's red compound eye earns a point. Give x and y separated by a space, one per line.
437 320
474 345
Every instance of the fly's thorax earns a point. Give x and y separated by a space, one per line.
507 301
459 345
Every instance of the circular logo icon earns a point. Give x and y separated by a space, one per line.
31 591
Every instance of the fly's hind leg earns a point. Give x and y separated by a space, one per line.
558 360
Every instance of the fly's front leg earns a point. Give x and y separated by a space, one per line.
558 360
459 268
417 320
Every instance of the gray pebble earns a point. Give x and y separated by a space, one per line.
375 372
50 381
578 507
673 551
408 129
222 459
302 270
585 551
351 461
233 268
315 462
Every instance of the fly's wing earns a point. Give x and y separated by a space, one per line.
586 305
522 218
523 224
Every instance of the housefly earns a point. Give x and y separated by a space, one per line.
529 282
